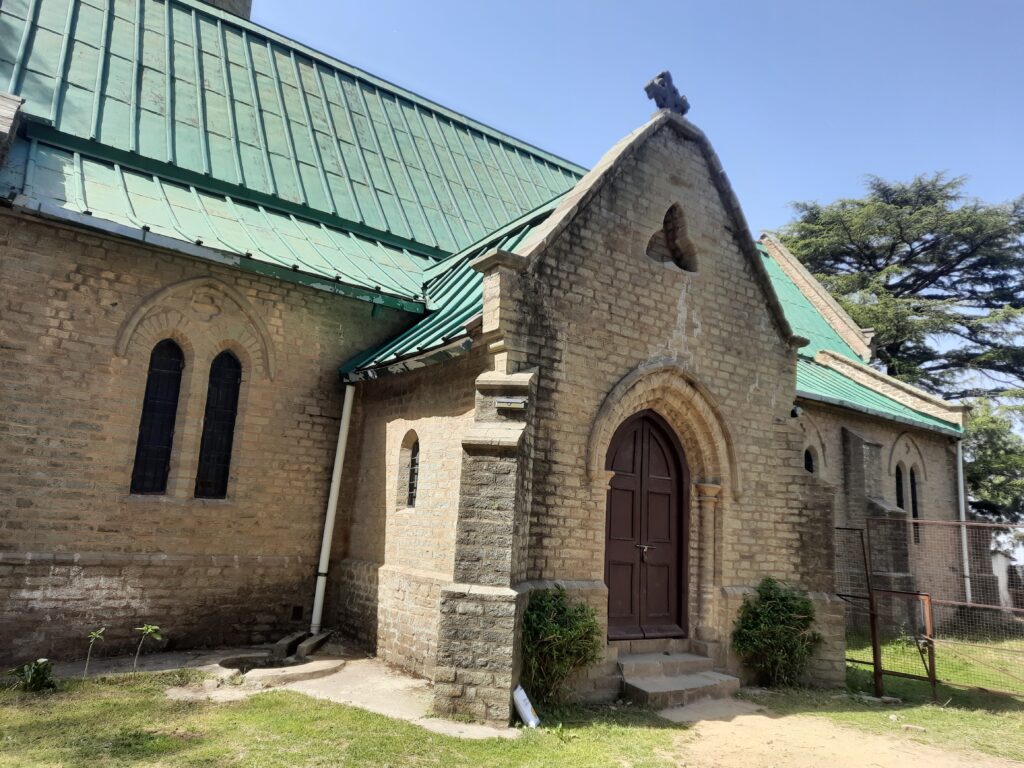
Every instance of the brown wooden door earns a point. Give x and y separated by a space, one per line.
645 552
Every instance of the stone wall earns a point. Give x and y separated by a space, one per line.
392 560
865 482
80 315
933 454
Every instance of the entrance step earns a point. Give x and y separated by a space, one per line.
670 678
662 664
657 645
666 691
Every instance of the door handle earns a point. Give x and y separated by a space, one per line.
644 548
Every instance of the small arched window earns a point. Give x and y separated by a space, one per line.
900 502
914 513
156 426
408 471
809 460
218 427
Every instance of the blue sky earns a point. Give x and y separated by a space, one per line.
800 99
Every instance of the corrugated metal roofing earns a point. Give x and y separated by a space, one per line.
453 290
805 320
179 84
58 182
818 382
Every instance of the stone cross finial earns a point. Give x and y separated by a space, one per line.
666 95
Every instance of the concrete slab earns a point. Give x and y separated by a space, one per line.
275 677
370 684
345 675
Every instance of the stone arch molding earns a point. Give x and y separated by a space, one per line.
665 386
201 307
905 450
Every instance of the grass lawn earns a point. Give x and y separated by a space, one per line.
117 721
994 664
963 719
121 721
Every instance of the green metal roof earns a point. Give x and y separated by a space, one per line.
818 382
181 90
64 184
803 317
453 291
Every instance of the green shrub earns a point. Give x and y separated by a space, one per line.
773 634
559 638
34 677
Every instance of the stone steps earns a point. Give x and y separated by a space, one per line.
662 679
657 645
678 690
658 664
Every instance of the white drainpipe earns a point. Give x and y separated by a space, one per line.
332 511
963 518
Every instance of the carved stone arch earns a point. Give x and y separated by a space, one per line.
907 452
664 386
813 438
197 305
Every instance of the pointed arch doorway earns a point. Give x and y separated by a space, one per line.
646 525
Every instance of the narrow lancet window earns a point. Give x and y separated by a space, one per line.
414 474
156 426
218 427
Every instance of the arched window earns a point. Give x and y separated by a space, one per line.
156 427
809 460
414 475
899 488
218 427
913 505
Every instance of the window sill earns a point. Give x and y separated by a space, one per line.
165 498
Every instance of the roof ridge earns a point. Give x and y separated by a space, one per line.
380 82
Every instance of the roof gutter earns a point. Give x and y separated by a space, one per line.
455 348
42 209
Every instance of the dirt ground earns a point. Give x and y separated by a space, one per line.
736 734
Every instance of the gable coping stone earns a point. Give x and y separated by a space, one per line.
609 166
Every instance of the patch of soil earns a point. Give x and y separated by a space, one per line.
746 739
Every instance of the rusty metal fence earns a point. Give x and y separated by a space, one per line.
936 601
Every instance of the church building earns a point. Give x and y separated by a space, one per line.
286 347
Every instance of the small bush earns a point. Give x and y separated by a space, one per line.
34 677
773 634
559 638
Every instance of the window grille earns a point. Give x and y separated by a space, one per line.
414 474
